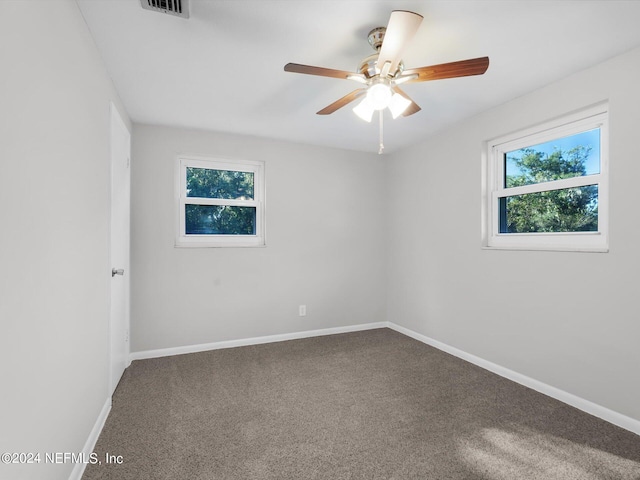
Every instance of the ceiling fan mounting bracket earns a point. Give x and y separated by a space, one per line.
376 36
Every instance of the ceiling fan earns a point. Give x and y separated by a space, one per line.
382 72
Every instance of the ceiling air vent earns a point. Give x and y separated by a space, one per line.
180 8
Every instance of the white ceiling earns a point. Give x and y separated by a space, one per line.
222 69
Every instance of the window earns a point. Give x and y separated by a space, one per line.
546 187
220 203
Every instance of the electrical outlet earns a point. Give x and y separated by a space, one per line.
302 310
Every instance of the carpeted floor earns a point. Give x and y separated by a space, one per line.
365 405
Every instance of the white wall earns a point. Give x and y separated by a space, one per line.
569 320
54 221
325 244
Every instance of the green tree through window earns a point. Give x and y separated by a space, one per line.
220 219
559 210
227 184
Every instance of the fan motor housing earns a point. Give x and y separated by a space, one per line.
367 66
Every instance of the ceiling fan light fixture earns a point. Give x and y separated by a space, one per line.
364 110
398 105
379 95
381 73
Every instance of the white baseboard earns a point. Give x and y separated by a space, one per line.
594 409
78 469
166 352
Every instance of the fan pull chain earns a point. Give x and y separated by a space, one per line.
381 149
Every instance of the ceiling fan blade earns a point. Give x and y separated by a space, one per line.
463 68
348 98
320 71
402 27
412 108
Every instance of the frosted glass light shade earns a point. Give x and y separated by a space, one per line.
364 109
379 96
398 105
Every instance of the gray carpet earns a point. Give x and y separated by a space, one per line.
365 405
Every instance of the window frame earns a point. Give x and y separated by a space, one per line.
494 188
219 240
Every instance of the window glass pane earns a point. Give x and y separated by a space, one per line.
572 156
565 210
228 184
220 220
